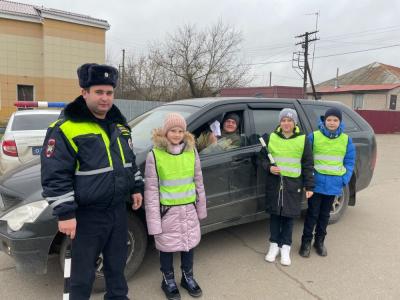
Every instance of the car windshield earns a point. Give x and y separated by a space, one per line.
33 122
144 124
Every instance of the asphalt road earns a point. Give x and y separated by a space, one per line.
362 263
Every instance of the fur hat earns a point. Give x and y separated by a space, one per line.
173 120
333 111
289 113
232 116
95 74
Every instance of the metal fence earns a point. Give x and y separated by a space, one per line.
382 121
133 108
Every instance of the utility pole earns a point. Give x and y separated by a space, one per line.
302 63
316 28
123 75
270 78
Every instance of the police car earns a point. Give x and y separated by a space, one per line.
24 135
233 178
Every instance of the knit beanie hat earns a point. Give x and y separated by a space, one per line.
232 116
333 111
289 113
173 120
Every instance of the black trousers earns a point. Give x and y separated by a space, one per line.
106 232
281 229
318 213
167 261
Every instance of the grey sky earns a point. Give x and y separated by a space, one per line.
268 28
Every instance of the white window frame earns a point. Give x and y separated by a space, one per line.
358 101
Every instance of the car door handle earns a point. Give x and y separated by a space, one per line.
241 160
241 156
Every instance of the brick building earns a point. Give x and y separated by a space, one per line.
40 50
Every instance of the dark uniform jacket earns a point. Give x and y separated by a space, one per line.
288 201
76 172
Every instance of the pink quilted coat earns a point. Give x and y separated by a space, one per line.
179 229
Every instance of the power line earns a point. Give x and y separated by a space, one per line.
326 38
365 31
323 56
268 62
358 51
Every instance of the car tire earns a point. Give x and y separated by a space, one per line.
339 205
137 245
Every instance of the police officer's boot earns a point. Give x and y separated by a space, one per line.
190 284
169 286
305 249
319 246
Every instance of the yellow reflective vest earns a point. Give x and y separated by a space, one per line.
176 177
287 153
329 153
87 130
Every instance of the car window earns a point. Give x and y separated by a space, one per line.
211 138
143 125
265 121
33 122
315 112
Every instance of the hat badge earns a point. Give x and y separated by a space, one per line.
106 75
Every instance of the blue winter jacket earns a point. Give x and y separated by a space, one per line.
330 184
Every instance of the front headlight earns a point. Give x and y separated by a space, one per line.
27 213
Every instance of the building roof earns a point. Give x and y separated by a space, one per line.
356 87
33 13
275 91
372 74
17 8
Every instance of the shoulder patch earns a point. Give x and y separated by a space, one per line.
130 143
50 148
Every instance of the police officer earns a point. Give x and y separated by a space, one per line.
88 174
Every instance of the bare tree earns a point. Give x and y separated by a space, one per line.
146 80
205 61
190 63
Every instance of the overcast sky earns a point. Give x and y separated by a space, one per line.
268 28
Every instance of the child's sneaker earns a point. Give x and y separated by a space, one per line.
285 255
272 252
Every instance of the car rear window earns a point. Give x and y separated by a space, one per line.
316 111
33 122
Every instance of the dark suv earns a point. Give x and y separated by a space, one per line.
233 179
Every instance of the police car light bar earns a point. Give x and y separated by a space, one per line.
26 104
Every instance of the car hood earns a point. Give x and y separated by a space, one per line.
23 184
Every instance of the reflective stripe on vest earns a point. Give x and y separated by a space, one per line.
176 177
329 153
72 130
287 153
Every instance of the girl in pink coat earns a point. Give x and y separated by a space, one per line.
175 201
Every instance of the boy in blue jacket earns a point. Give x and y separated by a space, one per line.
334 159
